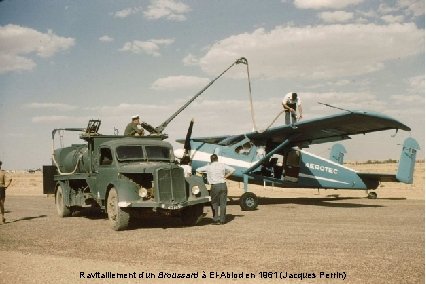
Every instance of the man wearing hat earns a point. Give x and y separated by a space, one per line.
292 104
132 128
3 187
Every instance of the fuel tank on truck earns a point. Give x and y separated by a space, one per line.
73 159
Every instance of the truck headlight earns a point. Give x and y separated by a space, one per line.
143 192
195 190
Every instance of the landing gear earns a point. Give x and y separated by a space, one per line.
372 195
248 201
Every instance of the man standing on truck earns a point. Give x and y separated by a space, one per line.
132 128
3 187
217 173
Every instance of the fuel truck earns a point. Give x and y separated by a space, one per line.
126 176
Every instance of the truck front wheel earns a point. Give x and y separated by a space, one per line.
118 217
63 211
191 215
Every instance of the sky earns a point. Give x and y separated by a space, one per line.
65 62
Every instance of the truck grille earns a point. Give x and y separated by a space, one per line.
171 185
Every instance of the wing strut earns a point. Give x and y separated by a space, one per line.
247 172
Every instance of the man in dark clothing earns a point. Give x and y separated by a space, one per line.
3 187
132 128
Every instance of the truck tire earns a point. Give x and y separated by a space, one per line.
118 218
191 215
63 211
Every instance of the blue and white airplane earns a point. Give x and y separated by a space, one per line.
278 154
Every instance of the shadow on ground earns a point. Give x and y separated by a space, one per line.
326 201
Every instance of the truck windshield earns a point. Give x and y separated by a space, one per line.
130 153
157 153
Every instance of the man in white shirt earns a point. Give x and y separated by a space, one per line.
185 165
292 104
217 173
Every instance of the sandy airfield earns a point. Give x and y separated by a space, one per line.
305 233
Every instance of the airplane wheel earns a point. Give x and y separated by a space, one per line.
248 201
372 195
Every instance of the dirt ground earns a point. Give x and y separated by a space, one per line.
323 236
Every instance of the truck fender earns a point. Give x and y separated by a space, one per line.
197 181
125 194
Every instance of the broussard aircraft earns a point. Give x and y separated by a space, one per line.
277 155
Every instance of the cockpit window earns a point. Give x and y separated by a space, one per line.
244 149
130 153
157 153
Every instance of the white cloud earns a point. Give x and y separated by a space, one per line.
106 38
331 51
17 43
54 118
392 19
124 108
325 4
336 16
412 7
56 106
408 100
170 9
417 85
190 60
127 12
179 82
151 47
406 7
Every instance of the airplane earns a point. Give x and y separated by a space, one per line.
277 155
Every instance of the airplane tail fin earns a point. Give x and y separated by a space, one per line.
407 161
337 153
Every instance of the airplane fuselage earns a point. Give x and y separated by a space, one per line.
293 168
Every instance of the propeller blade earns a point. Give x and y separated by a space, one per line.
187 145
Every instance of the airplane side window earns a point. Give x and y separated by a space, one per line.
244 149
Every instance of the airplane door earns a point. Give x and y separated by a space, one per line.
292 165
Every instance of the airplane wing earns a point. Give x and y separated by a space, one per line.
210 140
329 129
315 131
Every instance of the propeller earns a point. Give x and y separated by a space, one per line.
187 145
